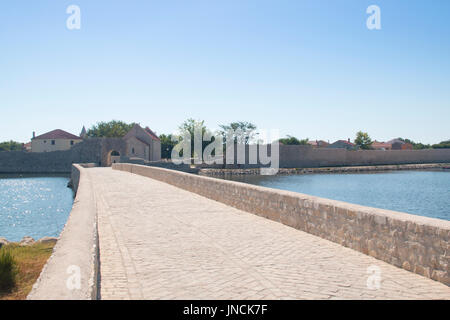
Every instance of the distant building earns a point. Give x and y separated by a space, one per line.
395 141
398 144
27 147
56 140
343 144
143 143
402 146
381 145
318 144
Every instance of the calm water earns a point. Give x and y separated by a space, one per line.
33 206
425 193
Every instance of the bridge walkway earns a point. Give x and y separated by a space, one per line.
161 242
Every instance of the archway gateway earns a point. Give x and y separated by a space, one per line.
113 157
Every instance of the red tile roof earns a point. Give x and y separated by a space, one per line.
346 142
58 134
151 133
378 145
319 143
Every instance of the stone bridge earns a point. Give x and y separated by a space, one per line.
150 233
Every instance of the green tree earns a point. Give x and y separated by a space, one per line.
11 146
442 145
167 145
245 132
363 140
190 126
290 140
111 129
416 145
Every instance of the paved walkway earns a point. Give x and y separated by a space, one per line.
161 242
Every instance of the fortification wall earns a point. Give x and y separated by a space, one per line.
308 157
50 162
92 150
415 243
297 156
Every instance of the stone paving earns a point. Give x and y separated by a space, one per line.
161 242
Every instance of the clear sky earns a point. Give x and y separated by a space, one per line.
311 69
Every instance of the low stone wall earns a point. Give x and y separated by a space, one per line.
415 243
76 254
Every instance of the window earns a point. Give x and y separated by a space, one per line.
53 142
45 141
132 150
71 142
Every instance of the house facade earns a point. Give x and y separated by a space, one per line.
143 143
318 143
402 146
398 144
376 145
56 140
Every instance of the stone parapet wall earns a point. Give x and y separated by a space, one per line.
415 243
76 253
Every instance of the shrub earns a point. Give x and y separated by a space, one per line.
8 270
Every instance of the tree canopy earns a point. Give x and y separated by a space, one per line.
442 145
244 132
10 146
363 140
416 145
290 140
111 129
167 145
190 126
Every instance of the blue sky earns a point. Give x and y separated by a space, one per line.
308 68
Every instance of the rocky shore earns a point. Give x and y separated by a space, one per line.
28 241
291 171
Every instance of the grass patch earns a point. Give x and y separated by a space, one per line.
27 263
8 270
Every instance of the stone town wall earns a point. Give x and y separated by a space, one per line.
415 243
76 253
293 156
308 157
97 150
50 162
92 150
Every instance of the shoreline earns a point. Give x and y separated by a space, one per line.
346 169
27 241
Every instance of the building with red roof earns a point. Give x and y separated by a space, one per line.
376 145
56 140
318 143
